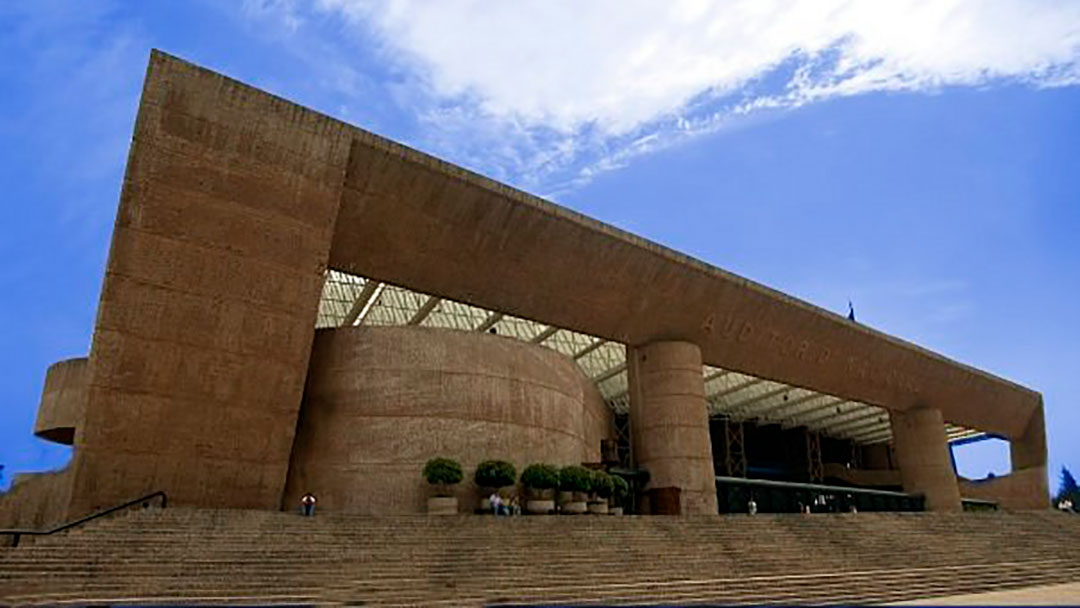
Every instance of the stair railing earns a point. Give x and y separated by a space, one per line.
17 534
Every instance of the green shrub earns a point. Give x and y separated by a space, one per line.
575 479
540 476
602 484
495 474
443 471
620 489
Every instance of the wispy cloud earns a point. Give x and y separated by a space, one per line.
551 92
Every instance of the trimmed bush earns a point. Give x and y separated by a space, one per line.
495 474
602 484
620 488
443 471
540 476
575 479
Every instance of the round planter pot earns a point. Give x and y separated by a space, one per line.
598 508
442 505
576 507
540 506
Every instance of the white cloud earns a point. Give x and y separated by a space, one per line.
594 78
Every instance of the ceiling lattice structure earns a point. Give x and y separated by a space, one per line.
352 300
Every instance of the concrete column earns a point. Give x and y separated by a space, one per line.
1029 488
669 424
922 453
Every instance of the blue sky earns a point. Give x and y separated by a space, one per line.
919 158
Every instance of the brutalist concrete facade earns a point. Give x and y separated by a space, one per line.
235 203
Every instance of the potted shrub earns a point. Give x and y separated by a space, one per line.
602 487
620 491
442 474
540 481
575 482
491 476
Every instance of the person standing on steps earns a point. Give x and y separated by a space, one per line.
307 504
496 503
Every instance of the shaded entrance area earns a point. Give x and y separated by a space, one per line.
733 495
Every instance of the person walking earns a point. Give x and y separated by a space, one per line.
307 504
496 503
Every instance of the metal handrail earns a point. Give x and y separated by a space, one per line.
16 534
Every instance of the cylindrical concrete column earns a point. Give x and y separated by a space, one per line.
922 453
669 424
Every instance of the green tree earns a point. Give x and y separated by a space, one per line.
1068 489
495 474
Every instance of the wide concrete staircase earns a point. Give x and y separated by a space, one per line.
206 556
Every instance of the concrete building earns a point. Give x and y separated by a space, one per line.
294 304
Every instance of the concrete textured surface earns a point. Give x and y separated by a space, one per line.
1065 594
235 203
182 556
381 401
210 295
922 454
36 501
63 401
669 424
584 275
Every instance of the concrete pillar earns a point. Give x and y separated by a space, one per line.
669 423
1027 452
922 453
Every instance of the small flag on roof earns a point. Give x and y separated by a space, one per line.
850 311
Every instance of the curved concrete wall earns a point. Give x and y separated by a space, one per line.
63 401
381 401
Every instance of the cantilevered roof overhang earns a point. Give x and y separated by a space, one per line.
411 220
349 300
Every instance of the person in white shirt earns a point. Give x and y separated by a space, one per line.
496 503
307 504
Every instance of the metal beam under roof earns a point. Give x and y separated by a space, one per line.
544 335
876 417
425 310
611 373
777 411
590 348
362 303
742 406
734 389
490 321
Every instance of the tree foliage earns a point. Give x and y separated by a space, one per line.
1068 490
540 476
575 478
495 474
602 484
620 489
443 471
